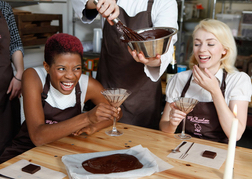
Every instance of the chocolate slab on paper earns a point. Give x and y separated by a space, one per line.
209 154
31 168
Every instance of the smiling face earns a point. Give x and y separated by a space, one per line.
65 71
207 50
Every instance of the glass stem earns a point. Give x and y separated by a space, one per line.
183 128
114 125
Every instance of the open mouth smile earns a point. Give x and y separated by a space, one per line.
67 86
204 58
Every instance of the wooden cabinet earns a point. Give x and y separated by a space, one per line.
20 3
35 29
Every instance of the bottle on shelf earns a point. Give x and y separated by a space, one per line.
172 67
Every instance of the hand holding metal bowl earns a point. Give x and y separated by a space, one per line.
157 41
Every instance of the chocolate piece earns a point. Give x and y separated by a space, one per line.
209 154
31 168
112 164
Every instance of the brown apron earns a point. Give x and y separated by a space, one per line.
9 110
117 69
22 141
203 121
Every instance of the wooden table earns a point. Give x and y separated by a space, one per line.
156 141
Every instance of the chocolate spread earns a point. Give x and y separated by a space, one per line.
148 35
155 34
112 164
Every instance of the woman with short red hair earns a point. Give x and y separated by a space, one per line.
54 98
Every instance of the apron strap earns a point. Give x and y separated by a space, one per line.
223 84
186 87
78 96
150 2
45 89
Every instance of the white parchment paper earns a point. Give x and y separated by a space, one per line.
195 155
15 171
151 164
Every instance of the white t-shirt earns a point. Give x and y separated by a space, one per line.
59 100
238 87
164 14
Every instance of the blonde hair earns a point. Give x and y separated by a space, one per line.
224 35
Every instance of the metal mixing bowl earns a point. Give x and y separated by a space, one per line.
151 48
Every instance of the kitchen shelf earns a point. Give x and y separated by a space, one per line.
35 1
20 3
241 1
232 1
244 38
77 19
34 29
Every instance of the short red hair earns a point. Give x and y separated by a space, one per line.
61 43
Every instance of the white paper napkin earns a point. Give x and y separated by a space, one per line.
151 164
15 171
195 155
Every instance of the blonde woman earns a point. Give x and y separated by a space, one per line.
214 82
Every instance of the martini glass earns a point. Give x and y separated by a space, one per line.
115 96
186 105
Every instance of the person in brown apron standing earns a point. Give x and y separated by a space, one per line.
214 81
11 50
118 68
54 97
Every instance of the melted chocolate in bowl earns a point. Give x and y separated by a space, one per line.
157 41
155 34
147 35
112 164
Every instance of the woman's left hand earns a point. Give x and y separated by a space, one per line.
88 130
14 88
152 62
205 79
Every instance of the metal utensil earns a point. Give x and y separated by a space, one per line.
177 148
157 46
116 20
128 34
185 154
4 176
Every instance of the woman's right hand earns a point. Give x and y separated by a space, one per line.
102 112
108 9
176 116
